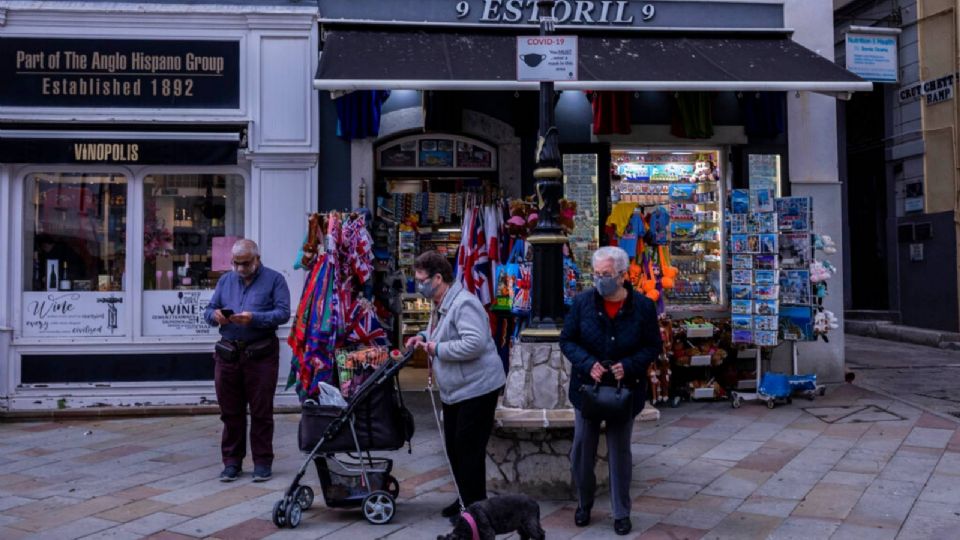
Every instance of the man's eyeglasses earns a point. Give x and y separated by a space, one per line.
239 264
597 277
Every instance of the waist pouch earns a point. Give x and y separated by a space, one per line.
235 351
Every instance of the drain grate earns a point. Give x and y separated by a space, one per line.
854 414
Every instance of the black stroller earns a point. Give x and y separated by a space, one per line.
377 421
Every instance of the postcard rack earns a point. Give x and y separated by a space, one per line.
772 299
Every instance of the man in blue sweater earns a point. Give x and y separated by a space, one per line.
248 305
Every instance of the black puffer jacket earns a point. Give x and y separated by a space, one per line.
632 337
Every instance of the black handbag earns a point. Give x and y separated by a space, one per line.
612 404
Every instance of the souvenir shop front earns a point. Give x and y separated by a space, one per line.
675 106
133 153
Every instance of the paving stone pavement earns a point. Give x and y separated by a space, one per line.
924 376
704 470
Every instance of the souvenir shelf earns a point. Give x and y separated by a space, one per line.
698 356
687 184
416 314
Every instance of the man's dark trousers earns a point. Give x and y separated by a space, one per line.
245 382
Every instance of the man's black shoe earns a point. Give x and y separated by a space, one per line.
582 517
230 473
451 511
622 526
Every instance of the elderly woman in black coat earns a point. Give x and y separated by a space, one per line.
610 336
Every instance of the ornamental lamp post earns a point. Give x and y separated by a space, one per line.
547 239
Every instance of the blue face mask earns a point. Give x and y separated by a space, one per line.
426 288
607 285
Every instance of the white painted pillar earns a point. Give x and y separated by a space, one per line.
812 132
7 383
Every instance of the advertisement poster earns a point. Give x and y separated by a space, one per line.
764 172
580 186
176 313
223 253
71 314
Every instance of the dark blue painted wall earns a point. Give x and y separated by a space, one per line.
334 176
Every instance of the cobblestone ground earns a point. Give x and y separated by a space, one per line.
853 464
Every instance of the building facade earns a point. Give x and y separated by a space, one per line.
899 164
137 142
430 63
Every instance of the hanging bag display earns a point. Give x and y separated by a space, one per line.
571 276
522 283
507 275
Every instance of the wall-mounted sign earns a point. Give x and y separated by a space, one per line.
17 149
176 313
568 13
120 73
70 314
932 91
547 58
938 90
916 252
911 93
873 56
619 13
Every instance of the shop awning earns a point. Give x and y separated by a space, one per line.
138 145
356 58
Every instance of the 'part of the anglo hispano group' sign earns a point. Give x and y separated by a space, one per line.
119 73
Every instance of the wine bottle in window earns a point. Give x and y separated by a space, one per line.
65 283
52 280
186 280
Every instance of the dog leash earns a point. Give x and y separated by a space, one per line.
436 416
443 439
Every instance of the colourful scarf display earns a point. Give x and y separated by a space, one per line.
332 315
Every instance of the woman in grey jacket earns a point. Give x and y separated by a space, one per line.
467 369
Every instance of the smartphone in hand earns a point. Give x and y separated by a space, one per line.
226 312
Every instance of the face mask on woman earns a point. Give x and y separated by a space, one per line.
608 285
427 288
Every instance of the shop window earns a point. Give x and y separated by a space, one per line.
75 247
190 223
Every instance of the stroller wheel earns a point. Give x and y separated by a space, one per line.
378 507
293 515
304 497
393 487
279 515
771 404
737 401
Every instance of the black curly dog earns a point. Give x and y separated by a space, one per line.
500 515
